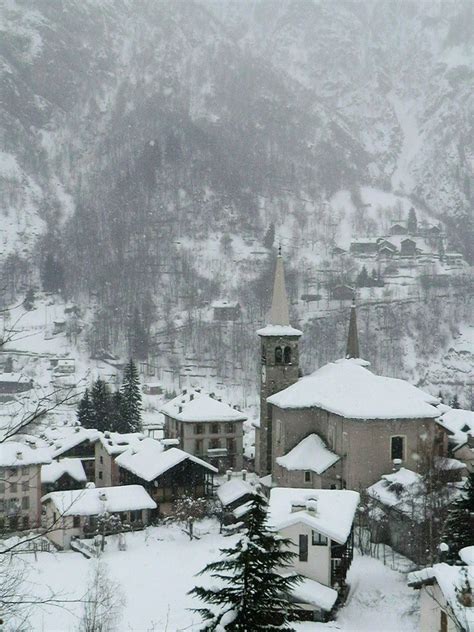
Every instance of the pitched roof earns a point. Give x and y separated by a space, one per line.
333 516
195 406
149 459
53 471
16 454
347 388
232 490
96 500
63 438
311 453
117 442
460 423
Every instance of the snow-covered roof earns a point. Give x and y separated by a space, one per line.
329 511
16 454
467 555
312 592
97 500
117 442
149 459
405 491
232 490
14 378
347 388
450 579
459 422
63 438
279 331
194 406
447 464
51 472
309 454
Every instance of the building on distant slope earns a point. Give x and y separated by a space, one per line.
206 427
20 485
319 524
12 383
226 310
359 422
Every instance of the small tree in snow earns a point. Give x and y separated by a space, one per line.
103 602
253 595
106 524
186 510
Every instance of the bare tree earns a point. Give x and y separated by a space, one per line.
103 602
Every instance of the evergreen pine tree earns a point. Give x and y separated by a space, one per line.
269 238
363 279
412 222
254 596
455 402
459 526
116 418
101 405
85 411
131 398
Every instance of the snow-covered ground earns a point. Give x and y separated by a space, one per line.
159 567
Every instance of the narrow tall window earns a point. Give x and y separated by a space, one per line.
397 448
278 355
307 476
287 355
303 554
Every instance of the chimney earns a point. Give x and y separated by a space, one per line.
297 505
244 475
229 474
185 391
312 505
191 397
180 409
19 455
397 463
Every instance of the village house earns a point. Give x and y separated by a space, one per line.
107 448
365 246
206 427
399 228
73 514
235 492
342 293
408 248
319 525
363 421
12 383
73 442
62 474
446 599
405 515
459 425
166 474
226 310
20 485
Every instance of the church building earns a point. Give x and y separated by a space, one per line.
342 426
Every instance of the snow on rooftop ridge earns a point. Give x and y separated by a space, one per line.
232 490
279 331
310 591
334 515
53 471
117 442
309 454
195 406
96 500
149 459
347 388
17 454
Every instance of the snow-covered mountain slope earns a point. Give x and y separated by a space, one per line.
153 148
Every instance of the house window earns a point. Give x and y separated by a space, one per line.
397 448
287 355
100 475
26 522
318 539
24 486
303 553
198 429
307 477
25 502
198 446
13 488
230 428
101 459
214 428
76 522
278 355
278 430
230 446
214 444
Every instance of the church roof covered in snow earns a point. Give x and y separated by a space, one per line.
194 406
327 511
309 454
97 500
347 388
149 459
53 471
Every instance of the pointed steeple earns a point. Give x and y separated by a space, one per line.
352 350
279 314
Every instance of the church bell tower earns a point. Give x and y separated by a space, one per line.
279 365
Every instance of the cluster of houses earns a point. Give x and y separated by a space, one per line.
323 442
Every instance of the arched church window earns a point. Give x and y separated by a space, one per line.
287 355
278 355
